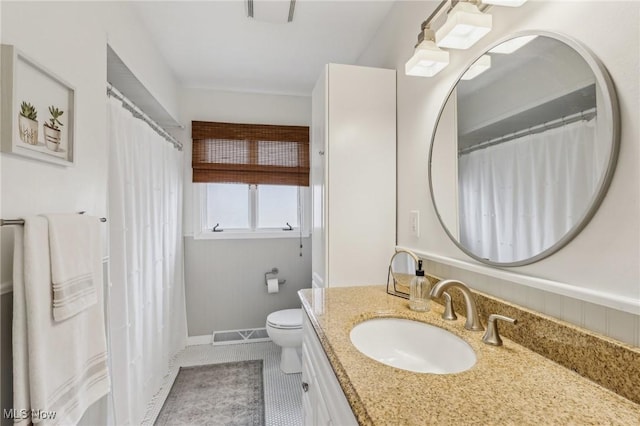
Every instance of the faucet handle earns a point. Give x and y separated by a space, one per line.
491 336
448 314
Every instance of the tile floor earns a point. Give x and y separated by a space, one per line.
282 392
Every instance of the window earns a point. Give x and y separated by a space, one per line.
227 206
254 179
252 211
277 206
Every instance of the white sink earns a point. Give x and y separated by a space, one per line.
413 346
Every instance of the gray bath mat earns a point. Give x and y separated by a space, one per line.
216 394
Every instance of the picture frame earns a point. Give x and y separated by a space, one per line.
38 110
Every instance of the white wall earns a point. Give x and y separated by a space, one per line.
70 39
224 279
78 54
601 264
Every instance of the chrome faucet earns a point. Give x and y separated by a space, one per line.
473 321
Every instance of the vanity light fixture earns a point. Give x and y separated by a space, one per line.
478 67
465 25
428 59
512 45
510 3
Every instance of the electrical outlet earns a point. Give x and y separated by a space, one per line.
414 222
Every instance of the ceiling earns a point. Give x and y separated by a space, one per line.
214 45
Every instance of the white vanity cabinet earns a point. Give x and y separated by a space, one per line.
353 175
323 402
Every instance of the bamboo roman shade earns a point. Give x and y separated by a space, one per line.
250 153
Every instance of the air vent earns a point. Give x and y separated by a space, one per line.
273 11
240 336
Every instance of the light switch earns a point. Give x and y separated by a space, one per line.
414 221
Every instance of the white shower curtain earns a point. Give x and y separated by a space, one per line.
146 312
519 197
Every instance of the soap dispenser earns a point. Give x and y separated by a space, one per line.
419 299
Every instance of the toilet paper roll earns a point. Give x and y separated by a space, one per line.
272 285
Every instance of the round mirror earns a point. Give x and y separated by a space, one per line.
524 149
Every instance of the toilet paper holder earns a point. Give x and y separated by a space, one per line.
273 273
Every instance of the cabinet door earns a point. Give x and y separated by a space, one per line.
327 404
323 418
308 401
314 407
307 410
318 156
361 181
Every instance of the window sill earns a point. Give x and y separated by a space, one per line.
239 235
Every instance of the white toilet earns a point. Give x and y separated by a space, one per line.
285 329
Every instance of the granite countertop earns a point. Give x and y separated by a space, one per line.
507 385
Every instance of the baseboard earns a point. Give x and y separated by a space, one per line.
199 340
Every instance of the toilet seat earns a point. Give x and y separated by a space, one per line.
287 319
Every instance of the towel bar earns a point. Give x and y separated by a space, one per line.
4 222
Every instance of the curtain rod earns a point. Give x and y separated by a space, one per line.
553 124
138 113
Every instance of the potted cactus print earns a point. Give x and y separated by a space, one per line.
52 129
28 123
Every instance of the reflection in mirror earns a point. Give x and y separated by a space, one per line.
524 150
402 269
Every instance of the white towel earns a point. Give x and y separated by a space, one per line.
60 368
20 346
71 264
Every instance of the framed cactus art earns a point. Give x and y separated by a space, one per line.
38 110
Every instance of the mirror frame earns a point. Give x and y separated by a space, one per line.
606 86
391 278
